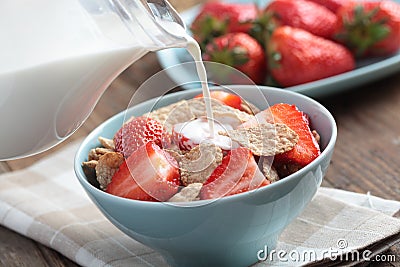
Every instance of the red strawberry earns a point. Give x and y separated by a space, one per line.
228 99
217 18
306 15
297 56
150 173
307 148
332 5
370 27
237 173
137 132
241 51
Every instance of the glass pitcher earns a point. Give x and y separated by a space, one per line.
58 57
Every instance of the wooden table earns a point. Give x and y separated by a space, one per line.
366 158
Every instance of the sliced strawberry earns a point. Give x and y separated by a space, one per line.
307 148
150 173
237 173
228 99
137 132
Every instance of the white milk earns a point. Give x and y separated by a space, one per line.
198 131
56 61
57 58
194 49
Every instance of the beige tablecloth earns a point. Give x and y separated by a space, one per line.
46 203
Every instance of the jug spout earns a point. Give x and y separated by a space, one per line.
163 11
157 18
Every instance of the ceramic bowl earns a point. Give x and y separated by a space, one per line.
232 230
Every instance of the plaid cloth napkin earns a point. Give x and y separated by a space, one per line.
46 203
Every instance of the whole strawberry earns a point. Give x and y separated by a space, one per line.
304 14
240 51
297 56
370 28
332 5
136 133
217 18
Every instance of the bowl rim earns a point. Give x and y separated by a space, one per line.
93 135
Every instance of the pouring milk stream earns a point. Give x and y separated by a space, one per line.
58 57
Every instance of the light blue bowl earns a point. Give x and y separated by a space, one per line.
232 230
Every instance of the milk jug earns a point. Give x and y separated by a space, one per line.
58 57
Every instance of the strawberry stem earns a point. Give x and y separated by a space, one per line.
363 31
235 56
208 28
274 60
262 28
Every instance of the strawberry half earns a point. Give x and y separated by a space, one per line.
137 132
307 148
218 18
240 51
370 28
150 173
237 173
228 99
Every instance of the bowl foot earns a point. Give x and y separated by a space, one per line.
240 255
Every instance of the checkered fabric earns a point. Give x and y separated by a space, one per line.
45 202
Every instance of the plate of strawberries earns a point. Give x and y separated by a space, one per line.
314 47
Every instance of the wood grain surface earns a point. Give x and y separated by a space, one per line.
366 157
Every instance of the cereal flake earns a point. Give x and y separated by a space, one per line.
198 164
188 193
172 114
106 166
265 139
107 143
268 170
198 108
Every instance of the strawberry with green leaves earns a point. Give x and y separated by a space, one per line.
240 51
218 18
297 56
369 28
305 15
